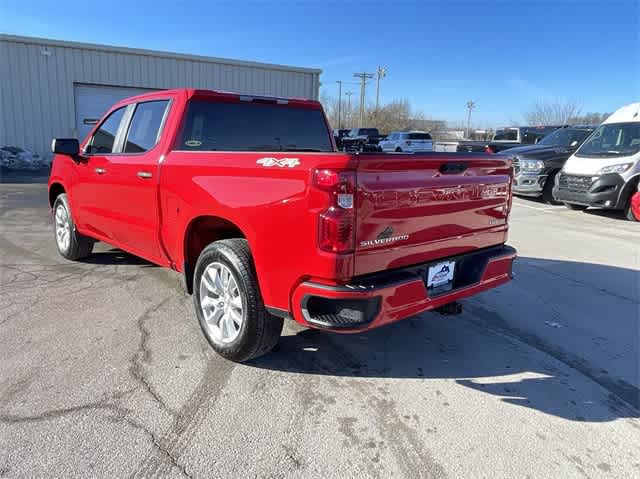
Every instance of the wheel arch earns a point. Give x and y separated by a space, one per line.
55 189
200 232
627 191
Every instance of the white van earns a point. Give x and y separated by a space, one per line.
604 171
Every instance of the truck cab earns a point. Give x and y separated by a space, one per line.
604 171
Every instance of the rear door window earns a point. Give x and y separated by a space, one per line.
145 126
249 126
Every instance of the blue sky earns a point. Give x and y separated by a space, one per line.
502 54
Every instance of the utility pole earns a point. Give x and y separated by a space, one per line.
382 72
363 85
470 106
339 82
348 93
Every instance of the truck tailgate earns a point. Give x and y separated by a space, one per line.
413 209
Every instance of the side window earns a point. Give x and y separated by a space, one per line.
145 126
104 137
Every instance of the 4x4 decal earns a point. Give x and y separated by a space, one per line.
282 162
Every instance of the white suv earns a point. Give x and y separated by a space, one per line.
408 141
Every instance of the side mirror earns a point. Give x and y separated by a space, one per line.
65 146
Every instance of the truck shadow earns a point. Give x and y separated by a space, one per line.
115 256
474 351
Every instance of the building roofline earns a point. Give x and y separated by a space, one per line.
154 53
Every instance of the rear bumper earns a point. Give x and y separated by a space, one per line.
375 300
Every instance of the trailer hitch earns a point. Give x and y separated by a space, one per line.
449 309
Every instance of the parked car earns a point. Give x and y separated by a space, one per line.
407 141
339 134
535 166
604 171
263 225
361 139
508 137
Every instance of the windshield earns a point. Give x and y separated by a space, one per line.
614 139
568 137
508 134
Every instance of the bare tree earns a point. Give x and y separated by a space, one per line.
552 112
396 115
589 118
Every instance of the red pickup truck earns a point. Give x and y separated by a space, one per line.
249 199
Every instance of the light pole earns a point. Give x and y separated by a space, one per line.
339 82
470 106
382 72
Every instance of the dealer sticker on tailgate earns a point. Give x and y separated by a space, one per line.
440 274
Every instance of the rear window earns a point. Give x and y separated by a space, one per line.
419 136
368 131
245 126
506 135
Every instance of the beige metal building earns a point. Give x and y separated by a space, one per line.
51 88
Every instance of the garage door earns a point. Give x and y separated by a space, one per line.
92 101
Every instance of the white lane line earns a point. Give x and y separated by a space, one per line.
545 209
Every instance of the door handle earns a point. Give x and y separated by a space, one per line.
100 171
144 174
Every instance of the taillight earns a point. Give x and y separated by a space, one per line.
336 224
489 149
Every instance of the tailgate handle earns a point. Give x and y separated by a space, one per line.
451 168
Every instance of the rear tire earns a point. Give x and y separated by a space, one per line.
547 192
254 331
71 244
574 207
398 150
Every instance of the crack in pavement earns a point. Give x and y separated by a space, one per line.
143 355
102 404
191 414
120 415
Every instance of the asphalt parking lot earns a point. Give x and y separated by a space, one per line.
104 371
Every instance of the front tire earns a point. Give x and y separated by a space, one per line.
574 207
228 303
71 244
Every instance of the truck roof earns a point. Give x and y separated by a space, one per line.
193 92
626 114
